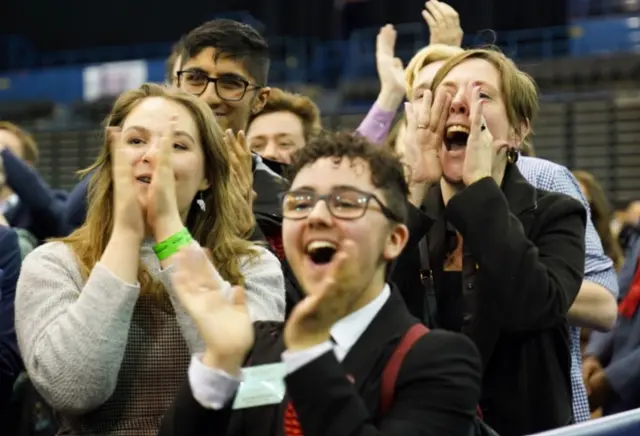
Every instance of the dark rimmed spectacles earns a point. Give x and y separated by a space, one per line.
343 203
229 88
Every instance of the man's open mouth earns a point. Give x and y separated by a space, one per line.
321 252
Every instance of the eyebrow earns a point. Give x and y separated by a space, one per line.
277 135
479 82
227 75
333 188
422 87
177 132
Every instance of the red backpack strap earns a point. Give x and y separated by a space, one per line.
391 370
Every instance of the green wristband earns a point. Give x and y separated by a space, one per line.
172 244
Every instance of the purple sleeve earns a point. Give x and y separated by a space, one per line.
376 124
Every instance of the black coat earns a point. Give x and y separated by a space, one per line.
523 265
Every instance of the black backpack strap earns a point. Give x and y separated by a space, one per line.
426 278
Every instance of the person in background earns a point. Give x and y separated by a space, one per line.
27 203
418 75
343 225
284 125
601 215
97 322
10 361
445 37
225 63
611 367
626 224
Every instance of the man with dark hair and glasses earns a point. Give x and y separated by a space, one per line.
226 64
343 354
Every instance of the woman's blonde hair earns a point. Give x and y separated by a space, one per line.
518 89
222 229
427 55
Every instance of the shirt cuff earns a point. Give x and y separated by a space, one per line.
212 388
294 360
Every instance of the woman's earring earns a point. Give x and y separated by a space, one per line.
200 202
512 155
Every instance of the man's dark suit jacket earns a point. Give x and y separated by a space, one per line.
523 264
436 393
10 361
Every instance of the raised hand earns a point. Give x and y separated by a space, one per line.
241 162
127 213
390 69
443 22
162 215
425 135
481 148
223 322
326 302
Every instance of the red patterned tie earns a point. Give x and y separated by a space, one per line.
291 424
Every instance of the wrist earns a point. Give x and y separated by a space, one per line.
164 228
127 235
232 365
389 98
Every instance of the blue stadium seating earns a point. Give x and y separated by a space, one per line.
58 76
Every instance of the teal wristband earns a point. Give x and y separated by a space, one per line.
172 244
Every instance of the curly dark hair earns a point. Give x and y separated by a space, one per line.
387 173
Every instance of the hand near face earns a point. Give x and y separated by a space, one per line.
126 208
443 22
424 136
326 302
223 323
482 149
241 162
162 213
390 70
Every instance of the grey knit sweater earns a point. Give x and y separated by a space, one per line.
107 360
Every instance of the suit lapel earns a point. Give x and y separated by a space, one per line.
385 330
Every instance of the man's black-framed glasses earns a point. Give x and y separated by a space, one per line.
343 203
228 87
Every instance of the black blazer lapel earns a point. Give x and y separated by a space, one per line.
366 359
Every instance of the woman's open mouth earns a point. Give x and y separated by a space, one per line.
455 137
